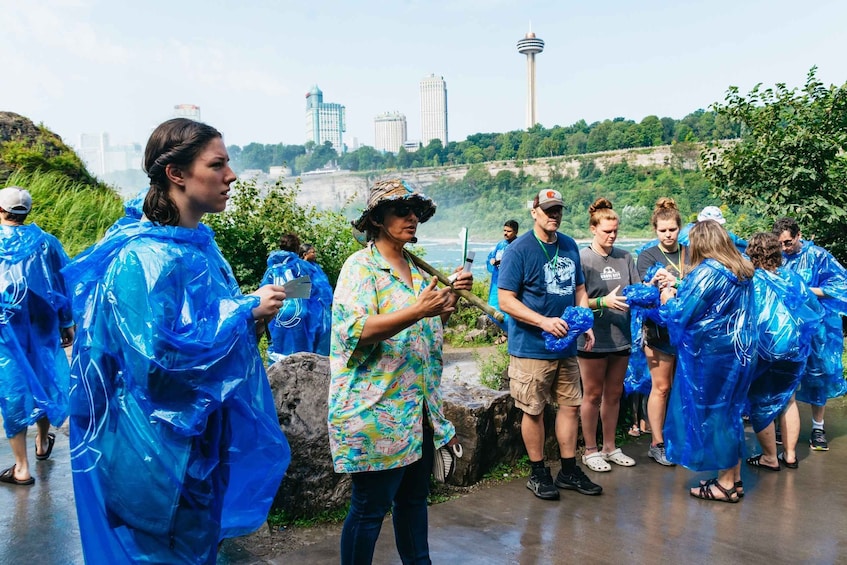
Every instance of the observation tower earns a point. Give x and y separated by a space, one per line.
529 46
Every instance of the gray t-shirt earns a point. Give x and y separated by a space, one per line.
602 275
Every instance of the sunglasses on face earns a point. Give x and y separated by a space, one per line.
401 210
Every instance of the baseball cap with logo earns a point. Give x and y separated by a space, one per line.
548 198
711 213
16 200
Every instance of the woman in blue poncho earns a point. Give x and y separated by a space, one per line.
303 323
175 442
711 319
789 319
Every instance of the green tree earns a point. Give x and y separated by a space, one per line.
251 227
790 159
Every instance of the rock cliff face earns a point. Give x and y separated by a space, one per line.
333 190
26 147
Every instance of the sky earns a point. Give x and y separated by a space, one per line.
91 66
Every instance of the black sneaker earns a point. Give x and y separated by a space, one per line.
541 485
818 441
577 481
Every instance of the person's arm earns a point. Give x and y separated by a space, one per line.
510 304
581 297
431 302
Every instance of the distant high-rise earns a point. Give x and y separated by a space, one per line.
530 46
433 110
389 131
190 111
92 150
324 121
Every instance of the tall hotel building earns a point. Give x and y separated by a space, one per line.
389 131
190 111
433 110
324 121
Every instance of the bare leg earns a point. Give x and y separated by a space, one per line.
790 423
767 439
661 372
532 432
567 428
41 437
593 373
612 392
18 443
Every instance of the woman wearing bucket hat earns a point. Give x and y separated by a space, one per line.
385 411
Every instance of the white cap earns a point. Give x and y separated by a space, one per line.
711 213
16 200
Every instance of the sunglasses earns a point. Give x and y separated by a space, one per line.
401 210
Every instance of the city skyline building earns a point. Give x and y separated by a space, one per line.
390 131
530 46
190 111
325 121
433 110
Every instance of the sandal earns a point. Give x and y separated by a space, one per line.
739 487
757 462
793 465
705 492
618 457
51 439
8 477
634 431
596 462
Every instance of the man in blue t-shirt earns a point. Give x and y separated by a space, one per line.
510 232
540 276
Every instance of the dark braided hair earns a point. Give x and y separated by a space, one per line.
175 142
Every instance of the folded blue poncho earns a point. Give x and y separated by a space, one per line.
174 437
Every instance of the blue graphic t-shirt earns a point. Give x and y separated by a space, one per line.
544 277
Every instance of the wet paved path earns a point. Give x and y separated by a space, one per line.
644 516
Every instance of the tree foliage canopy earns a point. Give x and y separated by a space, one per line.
790 160
250 228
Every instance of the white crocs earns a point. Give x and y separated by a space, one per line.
618 457
596 462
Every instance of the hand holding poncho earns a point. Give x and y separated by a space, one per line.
578 319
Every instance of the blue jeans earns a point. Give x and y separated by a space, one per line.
403 491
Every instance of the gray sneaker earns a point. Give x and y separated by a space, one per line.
657 454
541 485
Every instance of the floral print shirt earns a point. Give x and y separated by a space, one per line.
381 394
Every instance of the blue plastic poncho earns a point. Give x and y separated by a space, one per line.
643 300
789 319
579 321
174 437
33 308
302 324
823 376
712 323
496 254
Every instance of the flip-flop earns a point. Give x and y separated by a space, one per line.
757 462
793 465
8 477
51 439
634 431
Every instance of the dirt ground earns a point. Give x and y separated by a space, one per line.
268 543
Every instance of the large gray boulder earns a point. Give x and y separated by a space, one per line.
487 424
300 384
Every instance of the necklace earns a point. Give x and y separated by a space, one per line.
551 261
605 257
677 266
